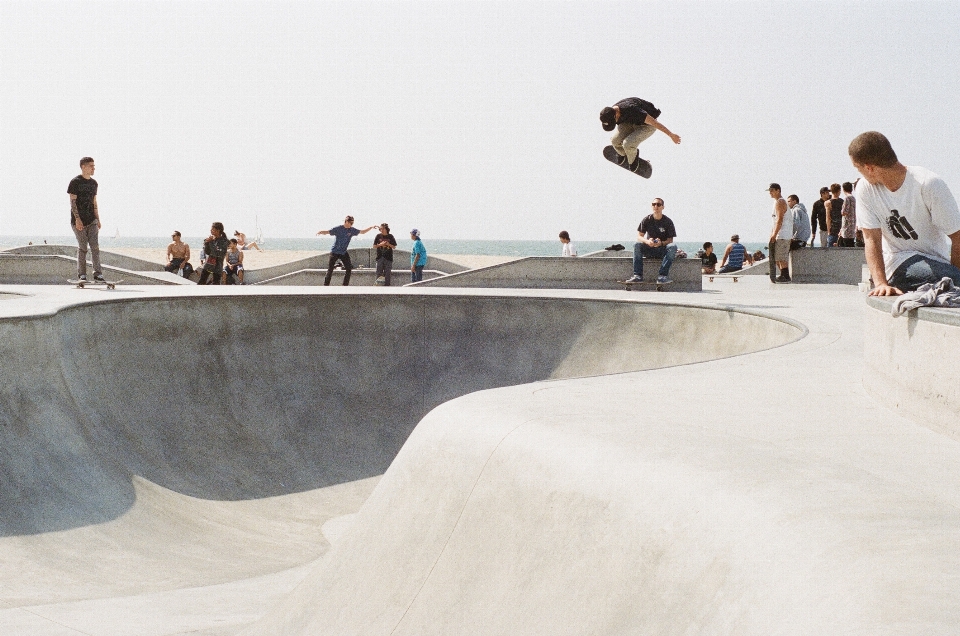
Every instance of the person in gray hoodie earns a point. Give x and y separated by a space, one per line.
801 222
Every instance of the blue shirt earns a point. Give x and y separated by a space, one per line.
418 257
736 256
343 234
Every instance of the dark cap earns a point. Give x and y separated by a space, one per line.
735 238
774 186
608 117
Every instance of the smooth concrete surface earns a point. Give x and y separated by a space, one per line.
841 265
615 463
162 452
107 257
32 269
911 363
361 277
556 272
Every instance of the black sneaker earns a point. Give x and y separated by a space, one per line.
783 279
99 278
82 278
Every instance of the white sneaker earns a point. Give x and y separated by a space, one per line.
634 279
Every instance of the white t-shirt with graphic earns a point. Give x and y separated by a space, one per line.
915 219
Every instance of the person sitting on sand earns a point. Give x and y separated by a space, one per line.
233 264
734 256
568 247
242 241
178 257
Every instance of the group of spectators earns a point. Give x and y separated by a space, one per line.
221 259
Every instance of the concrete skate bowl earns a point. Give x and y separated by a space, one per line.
150 445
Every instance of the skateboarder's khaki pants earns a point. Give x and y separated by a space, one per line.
88 235
628 137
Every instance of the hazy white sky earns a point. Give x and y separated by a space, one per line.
466 120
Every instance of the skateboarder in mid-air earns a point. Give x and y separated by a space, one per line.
635 120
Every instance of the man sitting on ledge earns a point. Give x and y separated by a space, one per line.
654 240
734 256
910 220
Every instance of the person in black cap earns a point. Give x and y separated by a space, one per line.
635 120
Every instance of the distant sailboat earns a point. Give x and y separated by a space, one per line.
116 235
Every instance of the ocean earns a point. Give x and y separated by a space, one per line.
435 246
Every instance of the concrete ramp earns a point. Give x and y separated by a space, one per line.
162 458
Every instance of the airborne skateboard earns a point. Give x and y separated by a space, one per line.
639 285
644 169
109 284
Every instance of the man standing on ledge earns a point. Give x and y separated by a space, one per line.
910 220
339 252
781 235
654 240
85 219
635 120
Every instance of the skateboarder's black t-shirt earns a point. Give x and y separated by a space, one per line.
86 190
383 252
634 110
708 260
662 229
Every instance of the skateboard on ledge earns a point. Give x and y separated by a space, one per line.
640 285
109 284
644 169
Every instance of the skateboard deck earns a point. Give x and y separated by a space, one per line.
735 277
640 285
109 284
773 263
644 169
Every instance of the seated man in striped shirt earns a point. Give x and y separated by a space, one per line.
734 256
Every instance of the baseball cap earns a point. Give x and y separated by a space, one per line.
735 238
608 117
415 232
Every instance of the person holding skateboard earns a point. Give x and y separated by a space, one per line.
635 120
85 219
338 252
781 236
654 240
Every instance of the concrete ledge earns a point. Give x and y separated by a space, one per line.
910 363
555 272
106 256
57 270
360 257
365 277
827 265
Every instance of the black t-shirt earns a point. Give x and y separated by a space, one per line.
836 206
634 110
662 229
708 260
86 190
383 252
818 216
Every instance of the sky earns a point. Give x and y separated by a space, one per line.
467 120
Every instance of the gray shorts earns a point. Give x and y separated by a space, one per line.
781 250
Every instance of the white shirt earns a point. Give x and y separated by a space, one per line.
915 219
786 230
569 249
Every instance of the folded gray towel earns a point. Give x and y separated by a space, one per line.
941 294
